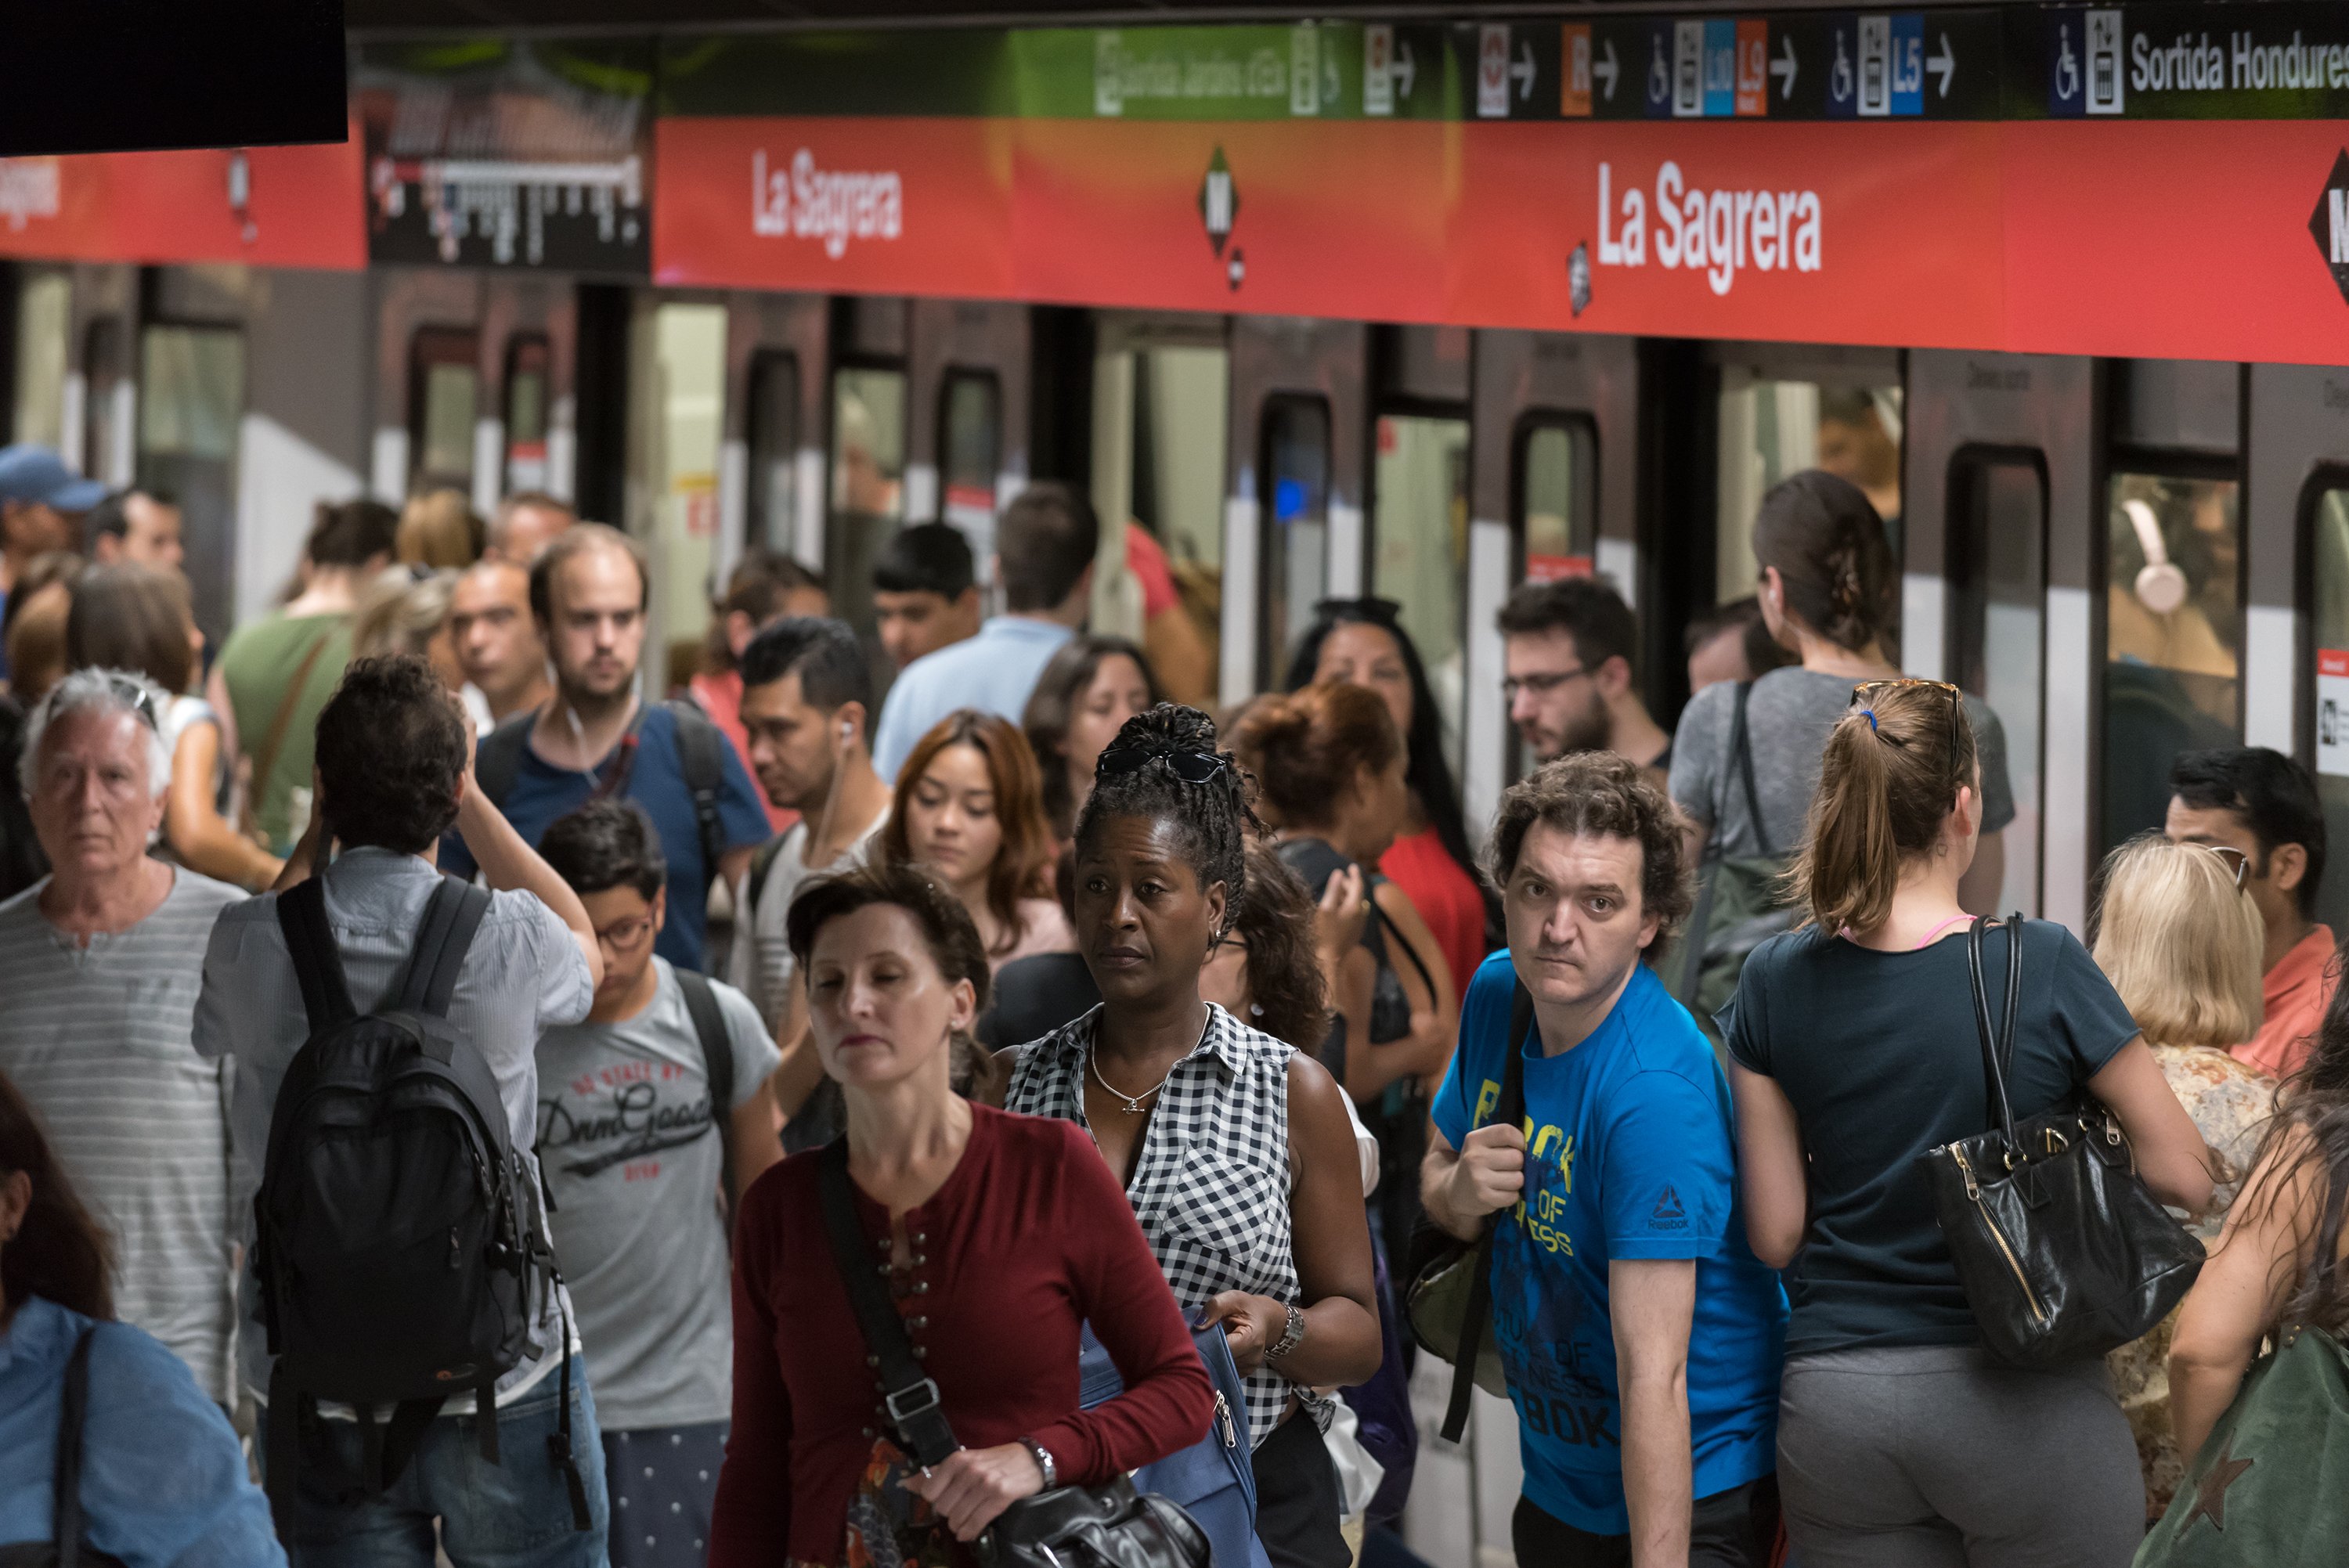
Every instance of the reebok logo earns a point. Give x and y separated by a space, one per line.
1668 1214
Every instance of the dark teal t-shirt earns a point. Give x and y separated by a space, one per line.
1878 1055
1630 1156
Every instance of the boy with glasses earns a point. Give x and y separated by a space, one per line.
652 1116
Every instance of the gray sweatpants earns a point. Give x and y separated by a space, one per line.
1938 1457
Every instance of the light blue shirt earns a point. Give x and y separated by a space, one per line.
163 1483
993 672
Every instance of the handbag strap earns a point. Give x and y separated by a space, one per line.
1508 1111
909 1394
1997 1048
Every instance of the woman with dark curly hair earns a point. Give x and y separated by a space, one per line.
1233 1146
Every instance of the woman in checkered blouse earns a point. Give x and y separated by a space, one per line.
1235 1149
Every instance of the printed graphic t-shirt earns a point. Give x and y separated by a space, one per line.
1628 1156
627 1141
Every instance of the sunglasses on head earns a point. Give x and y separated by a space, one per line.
2238 864
140 700
1191 767
1864 696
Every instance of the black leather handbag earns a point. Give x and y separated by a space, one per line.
2063 1252
1106 1526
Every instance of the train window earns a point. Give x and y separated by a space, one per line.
44 327
529 363
687 385
190 408
1162 413
105 449
868 483
2325 525
2173 636
1771 427
445 393
1998 570
773 519
1556 522
970 450
1295 537
1419 546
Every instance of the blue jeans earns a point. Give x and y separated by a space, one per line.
513 1514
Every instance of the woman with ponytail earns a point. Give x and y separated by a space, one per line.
1853 1051
1830 592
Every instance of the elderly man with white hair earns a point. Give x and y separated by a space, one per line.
100 964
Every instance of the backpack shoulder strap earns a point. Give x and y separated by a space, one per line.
72 1409
1741 743
700 758
302 917
762 864
451 919
1507 1111
497 760
717 1063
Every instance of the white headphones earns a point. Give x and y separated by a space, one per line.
2161 587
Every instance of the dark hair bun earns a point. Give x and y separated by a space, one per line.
1185 728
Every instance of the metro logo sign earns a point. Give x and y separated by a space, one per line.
2329 224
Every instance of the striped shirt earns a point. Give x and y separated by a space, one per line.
98 1039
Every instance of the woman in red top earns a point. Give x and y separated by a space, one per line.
1360 641
1004 1234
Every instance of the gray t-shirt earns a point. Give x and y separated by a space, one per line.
97 1039
523 973
760 963
1788 717
625 1136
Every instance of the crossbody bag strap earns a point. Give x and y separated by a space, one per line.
73 1409
1993 1048
1507 1111
907 1392
264 761
1741 743
1699 923
1397 939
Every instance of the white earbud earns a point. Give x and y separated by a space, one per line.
2161 587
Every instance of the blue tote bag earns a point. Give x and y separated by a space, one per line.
1214 1479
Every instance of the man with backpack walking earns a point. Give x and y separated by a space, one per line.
589 591
383 1019
652 1118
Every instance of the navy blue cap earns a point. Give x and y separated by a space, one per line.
28 472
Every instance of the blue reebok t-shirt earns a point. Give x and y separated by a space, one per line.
1630 1155
542 792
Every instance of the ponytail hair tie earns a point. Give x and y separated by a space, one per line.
1869 714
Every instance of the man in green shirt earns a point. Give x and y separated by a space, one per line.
280 670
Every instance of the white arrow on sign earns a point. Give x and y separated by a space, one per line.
1405 70
1523 71
1784 68
1945 64
1607 68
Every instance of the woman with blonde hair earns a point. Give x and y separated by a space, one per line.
440 529
2181 942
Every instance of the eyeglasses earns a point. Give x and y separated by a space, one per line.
1539 685
1864 696
623 934
2238 864
1191 767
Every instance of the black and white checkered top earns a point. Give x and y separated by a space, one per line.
1212 1185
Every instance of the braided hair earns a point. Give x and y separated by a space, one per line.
1212 822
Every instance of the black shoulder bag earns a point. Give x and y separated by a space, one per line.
1450 1300
2063 1252
1105 1526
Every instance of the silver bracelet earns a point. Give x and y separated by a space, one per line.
1292 1336
1043 1458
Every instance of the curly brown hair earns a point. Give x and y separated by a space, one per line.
1289 999
1601 792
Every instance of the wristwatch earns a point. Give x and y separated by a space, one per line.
1292 1336
1043 1458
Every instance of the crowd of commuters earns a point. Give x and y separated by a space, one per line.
1103 1028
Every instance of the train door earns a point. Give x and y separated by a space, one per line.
2172 583
869 409
2001 552
2296 577
1162 423
966 441
772 472
1293 519
41 339
677 411
1419 505
1555 494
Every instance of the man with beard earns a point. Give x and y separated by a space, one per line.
595 740
1571 651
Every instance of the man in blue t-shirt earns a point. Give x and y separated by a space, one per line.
1640 1337
588 592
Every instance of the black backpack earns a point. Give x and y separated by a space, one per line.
701 748
398 1245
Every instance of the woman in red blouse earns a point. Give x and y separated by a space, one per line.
1004 1234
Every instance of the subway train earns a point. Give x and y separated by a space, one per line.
1329 307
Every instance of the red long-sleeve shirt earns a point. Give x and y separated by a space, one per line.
1029 1238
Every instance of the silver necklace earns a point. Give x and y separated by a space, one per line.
1131 1103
